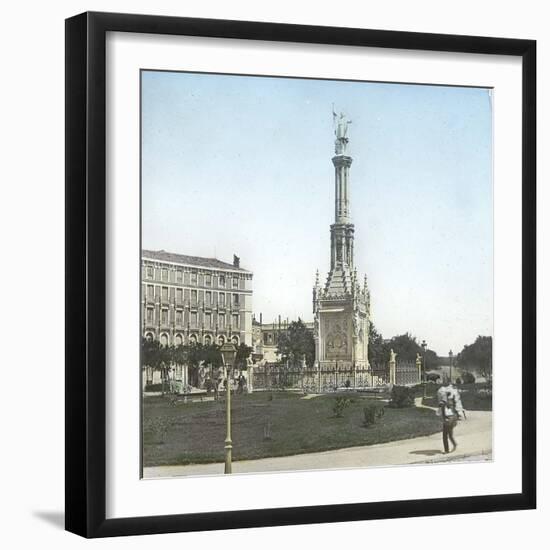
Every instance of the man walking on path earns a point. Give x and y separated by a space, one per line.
449 407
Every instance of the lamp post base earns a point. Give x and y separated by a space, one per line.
228 449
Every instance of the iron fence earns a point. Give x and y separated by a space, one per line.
329 377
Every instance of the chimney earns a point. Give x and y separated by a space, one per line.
236 261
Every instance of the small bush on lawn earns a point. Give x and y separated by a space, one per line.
340 405
402 396
371 413
468 378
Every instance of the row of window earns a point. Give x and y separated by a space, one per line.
192 277
210 298
209 320
180 339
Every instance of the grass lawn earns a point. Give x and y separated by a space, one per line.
186 433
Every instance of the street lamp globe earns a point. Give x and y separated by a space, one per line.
229 352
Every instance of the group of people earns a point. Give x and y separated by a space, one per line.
219 382
450 410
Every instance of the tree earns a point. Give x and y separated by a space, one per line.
243 353
164 362
195 354
378 350
179 355
211 355
150 354
477 357
405 346
295 343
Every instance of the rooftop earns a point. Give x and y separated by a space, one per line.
197 261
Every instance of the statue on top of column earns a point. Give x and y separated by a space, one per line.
340 131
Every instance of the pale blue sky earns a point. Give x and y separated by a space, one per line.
235 164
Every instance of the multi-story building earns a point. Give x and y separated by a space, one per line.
188 299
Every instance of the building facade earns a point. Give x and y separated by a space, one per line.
341 307
190 299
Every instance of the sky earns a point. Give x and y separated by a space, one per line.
242 165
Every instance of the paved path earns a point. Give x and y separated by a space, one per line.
474 438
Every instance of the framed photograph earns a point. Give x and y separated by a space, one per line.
300 274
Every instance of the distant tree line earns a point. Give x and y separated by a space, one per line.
405 346
477 357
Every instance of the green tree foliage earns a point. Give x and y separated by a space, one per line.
211 355
405 346
180 355
478 356
379 352
243 353
161 358
295 343
149 353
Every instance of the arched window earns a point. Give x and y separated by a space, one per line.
149 336
235 340
193 339
164 340
207 340
221 340
179 340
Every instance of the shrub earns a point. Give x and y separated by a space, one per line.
402 396
340 405
468 378
371 413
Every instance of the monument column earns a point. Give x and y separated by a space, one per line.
339 306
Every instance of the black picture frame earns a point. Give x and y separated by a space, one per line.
86 274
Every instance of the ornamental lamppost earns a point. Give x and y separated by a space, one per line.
451 366
229 353
424 346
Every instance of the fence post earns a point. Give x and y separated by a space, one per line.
419 367
250 384
392 367
185 377
318 377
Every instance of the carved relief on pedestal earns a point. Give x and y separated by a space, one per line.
337 339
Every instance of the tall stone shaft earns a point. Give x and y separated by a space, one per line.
342 212
342 231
